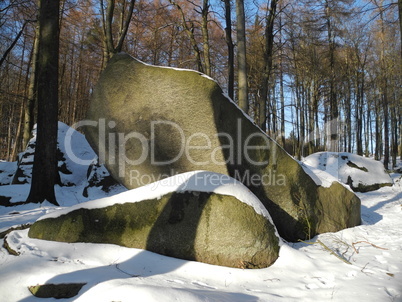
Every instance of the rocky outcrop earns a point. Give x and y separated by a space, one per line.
149 122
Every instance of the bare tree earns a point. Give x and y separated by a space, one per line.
189 29
110 46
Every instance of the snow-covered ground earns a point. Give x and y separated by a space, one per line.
366 264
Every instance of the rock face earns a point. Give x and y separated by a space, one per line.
150 122
362 174
206 227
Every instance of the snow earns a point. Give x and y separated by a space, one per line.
320 177
332 166
303 271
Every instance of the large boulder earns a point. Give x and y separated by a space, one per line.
362 174
147 123
198 220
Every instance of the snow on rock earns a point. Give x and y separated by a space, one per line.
360 173
7 170
201 181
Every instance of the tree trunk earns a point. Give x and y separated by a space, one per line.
268 58
400 25
205 37
32 88
241 56
125 24
14 152
10 48
229 43
281 87
109 48
44 172
333 106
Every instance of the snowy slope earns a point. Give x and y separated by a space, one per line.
303 272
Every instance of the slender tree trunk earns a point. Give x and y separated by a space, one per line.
378 138
9 132
29 116
333 112
241 56
44 172
205 37
359 112
394 135
311 117
384 92
400 133
268 58
229 43
400 25
10 48
281 87
125 24
14 153
108 28
400 36
282 96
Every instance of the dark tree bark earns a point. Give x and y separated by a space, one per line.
44 173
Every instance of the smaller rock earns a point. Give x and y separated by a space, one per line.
57 291
185 223
362 174
99 177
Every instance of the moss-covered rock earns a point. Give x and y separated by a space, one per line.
57 291
152 122
206 227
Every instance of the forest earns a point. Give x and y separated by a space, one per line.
314 74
